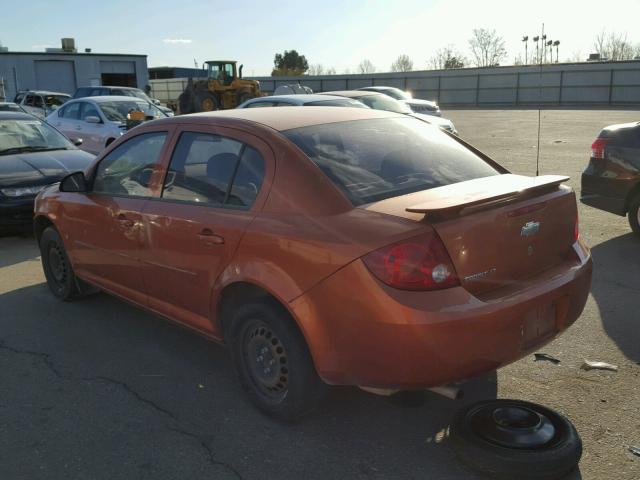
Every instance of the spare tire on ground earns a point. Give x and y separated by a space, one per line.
514 439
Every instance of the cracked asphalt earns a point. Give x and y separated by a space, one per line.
97 389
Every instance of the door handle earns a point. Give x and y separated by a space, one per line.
210 238
122 218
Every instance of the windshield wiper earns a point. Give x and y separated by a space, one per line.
25 148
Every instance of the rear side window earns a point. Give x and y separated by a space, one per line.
214 170
71 111
370 160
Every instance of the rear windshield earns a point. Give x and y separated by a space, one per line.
370 160
382 102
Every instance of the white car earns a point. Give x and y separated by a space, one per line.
415 104
40 103
98 121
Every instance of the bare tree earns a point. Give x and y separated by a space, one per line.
316 69
575 57
366 66
614 46
447 57
330 71
402 64
487 47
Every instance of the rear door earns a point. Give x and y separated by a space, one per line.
67 120
108 231
214 185
92 134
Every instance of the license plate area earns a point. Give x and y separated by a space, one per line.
538 325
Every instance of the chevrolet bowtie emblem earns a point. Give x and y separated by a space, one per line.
530 228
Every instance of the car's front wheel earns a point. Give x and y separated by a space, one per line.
56 266
273 362
634 214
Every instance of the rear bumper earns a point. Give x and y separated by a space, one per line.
605 193
361 332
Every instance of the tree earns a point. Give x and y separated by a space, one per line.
487 47
446 58
615 46
289 63
316 69
330 71
366 66
402 64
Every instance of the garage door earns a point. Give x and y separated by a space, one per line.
56 75
118 73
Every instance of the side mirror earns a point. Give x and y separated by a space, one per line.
76 141
92 119
74 182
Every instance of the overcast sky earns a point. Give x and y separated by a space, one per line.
337 34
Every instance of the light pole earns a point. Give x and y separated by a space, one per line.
536 39
525 39
544 47
550 45
555 44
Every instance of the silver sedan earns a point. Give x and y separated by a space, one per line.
98 121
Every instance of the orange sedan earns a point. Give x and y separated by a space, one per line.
325 245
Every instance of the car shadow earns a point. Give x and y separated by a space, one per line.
616 290
186 384
17 247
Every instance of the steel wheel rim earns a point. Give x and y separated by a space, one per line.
57 264
266 360
513 426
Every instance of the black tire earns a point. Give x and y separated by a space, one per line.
206 102
57 268
553 460
293 388
634 214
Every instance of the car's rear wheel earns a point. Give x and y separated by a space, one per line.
634 214
509 439
273 362
57 268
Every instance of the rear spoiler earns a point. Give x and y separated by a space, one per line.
458 196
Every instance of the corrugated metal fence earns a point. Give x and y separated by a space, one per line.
579 84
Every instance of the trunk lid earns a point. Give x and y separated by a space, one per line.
498 230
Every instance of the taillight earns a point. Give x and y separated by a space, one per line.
598 148
418 263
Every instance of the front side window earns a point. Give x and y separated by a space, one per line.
203 168
370 160
89 110
128 169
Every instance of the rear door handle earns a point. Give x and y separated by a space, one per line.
210 238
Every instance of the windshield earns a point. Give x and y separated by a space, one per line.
347 102
136 93
397 94
117 111
370 160
382 102
55 100
30 134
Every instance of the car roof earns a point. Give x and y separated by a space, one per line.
17 116
9 103
351 93
378 87
114 86
300 98
285 118
44 92
107 98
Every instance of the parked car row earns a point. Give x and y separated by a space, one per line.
362 97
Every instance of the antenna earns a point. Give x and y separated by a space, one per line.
539 104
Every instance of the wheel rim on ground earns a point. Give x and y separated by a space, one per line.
208 105
266 360
57 264
513 426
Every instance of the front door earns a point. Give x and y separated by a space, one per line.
92 133
207 202
109 232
